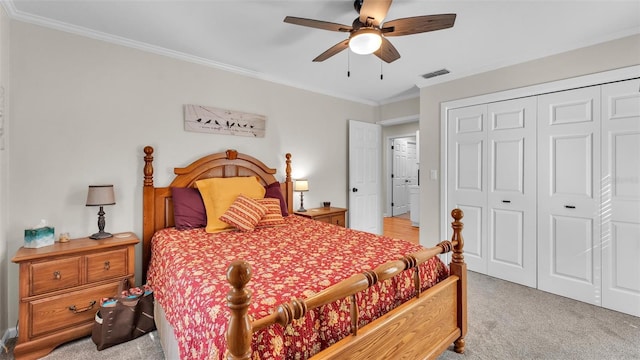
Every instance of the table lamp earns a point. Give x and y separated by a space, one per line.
302 186
100 195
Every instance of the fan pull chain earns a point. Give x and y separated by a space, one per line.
348 64
381 70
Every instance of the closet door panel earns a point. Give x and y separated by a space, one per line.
508 237
466 179
621 196
569 235
569 194
511 198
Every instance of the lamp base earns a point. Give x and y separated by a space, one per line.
100 235
301 209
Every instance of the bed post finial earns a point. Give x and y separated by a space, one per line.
288 168
148 166
239 332
457 226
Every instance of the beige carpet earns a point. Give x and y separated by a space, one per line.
506 321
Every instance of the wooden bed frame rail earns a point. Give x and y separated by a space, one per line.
379 339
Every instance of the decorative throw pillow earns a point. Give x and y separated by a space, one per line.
244 213
188 209
219 193
274 191
273 216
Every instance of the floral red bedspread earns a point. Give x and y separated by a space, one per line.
188 268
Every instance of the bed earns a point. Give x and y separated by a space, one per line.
289 302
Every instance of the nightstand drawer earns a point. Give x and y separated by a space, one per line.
106 265
67 310
54 275
331 215
338 220
332 219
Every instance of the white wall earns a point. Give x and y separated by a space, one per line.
82 110
4 85
400 109
606 56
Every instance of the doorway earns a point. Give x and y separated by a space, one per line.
402 175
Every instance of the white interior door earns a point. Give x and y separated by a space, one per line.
400 178
412 163
512 227
569 194
467 179
365 176
621 196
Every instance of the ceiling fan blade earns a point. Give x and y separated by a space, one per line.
418 24
387 51
374 11
332 50
318 24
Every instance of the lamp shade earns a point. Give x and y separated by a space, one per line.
365 41
100 195
301 185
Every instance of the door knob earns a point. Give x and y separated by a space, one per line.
354 189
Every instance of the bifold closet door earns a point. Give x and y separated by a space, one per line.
621 196
491 167
569 194
467 179
511 196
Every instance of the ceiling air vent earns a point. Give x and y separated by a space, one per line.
435 73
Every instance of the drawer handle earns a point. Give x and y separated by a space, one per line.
506 201
56 275
107 265
76 311
570 206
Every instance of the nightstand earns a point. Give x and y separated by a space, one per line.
330 215
61 286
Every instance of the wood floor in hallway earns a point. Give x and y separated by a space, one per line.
399 227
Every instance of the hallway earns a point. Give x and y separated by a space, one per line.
400 227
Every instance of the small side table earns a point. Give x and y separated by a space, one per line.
330 215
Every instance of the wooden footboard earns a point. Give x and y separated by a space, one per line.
421 328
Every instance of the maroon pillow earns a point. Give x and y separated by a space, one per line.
188 209
274 191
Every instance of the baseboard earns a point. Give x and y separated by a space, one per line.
8 334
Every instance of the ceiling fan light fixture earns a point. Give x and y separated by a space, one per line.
365 41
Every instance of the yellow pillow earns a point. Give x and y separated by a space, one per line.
219 193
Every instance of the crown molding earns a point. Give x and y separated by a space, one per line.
399 120
16 14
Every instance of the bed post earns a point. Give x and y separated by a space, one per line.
288 191
459 268
148 211
239 332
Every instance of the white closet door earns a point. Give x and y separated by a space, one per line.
569 194
467 179
621 196
512 190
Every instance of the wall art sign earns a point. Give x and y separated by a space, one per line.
212 120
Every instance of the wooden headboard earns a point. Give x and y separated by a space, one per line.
157 203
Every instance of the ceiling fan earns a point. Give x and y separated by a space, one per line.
368 34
